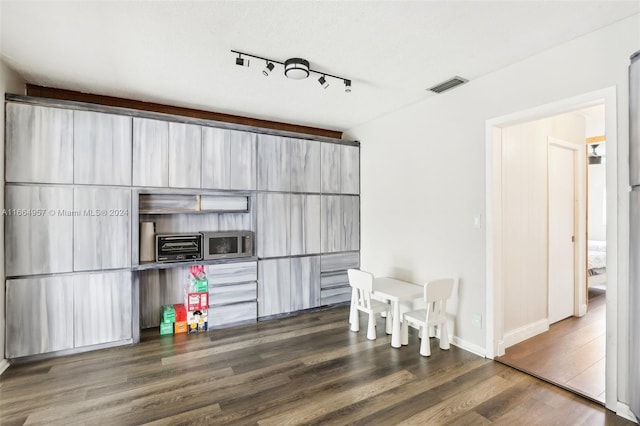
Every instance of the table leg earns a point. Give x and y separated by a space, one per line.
395 335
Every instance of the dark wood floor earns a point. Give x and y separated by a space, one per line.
571 354
309 369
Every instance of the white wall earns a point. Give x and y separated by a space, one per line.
597 213
525 242
597 181
10 82
423 170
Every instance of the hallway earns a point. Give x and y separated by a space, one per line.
571 354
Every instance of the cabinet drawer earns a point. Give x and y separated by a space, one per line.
335 295
232 273
226 294
229 314
333 279
339 261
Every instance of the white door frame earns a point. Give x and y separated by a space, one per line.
493 279
580 224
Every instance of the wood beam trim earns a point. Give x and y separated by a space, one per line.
71 95
595 139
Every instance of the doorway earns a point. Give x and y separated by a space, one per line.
499 325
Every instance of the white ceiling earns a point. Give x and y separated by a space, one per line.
178 53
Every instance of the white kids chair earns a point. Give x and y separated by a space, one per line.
436 294
362 286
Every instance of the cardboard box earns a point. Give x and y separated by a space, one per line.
197 321
168 314
180 327
166 328
181 312
201 285
197 301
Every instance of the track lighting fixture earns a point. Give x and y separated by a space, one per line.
268 68
323 82
242 62
294 68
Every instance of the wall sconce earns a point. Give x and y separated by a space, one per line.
294 68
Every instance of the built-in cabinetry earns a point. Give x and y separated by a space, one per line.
81 179
60 312
67 229
308 207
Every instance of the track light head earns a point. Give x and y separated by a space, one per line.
242 62
347 86
296 68
267 70
323 82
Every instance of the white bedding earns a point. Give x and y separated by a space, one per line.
597 254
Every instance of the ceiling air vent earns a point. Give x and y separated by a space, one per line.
449 84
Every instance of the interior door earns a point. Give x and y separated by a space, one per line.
562 226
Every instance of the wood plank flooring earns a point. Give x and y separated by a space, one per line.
308 369
571 354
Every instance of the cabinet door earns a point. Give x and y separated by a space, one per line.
331 226
305 224
274 287
216 151
273 163
305 282
185 155
150 152
351 223
39 144
349 169
102 308
274 218
102 229
228 159
331 155
242 161
305 165
101 148
38 230
38 311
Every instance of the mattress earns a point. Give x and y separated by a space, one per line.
597 256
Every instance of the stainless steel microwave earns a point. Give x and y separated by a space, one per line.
226 244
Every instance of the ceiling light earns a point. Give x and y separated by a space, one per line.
268 68
296 68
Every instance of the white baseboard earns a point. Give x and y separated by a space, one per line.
4 364
624 411
468 346
523 333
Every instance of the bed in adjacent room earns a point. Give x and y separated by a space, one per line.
597 262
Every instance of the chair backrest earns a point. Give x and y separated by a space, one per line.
436 293
438 290
362 282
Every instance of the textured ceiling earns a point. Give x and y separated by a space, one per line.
179 52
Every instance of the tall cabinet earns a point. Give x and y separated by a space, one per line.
67 229
80 179
308 210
